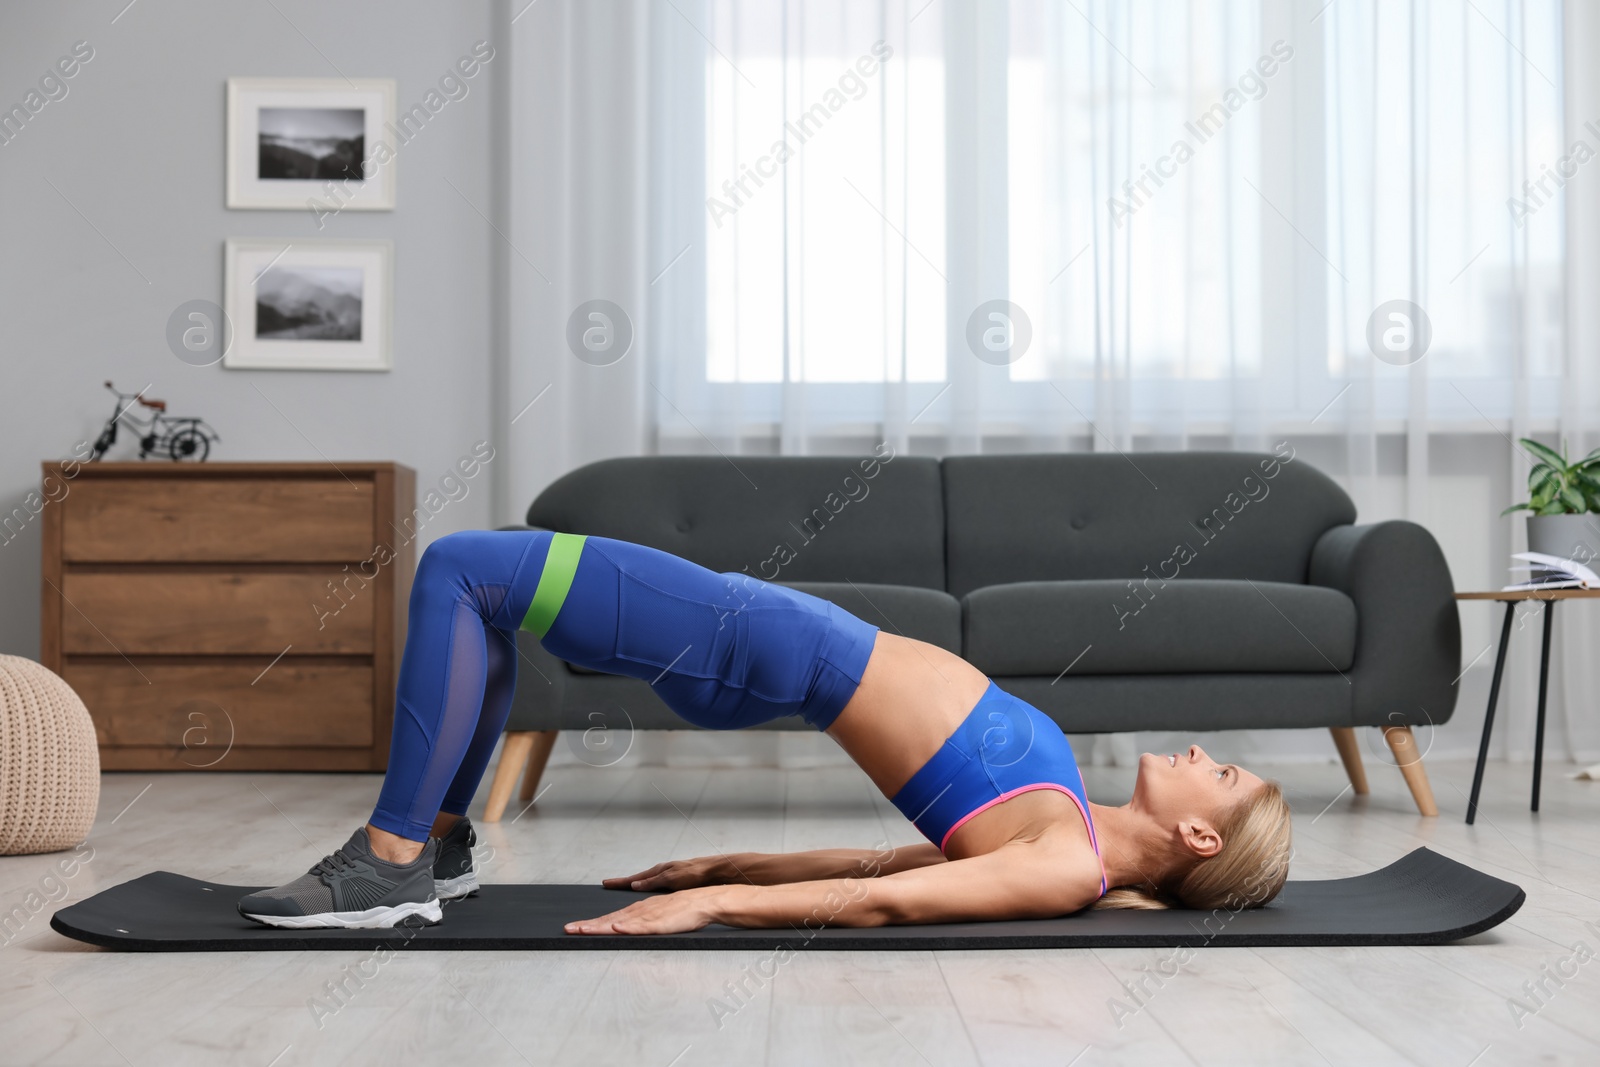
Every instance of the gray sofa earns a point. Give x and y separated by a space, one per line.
1163 591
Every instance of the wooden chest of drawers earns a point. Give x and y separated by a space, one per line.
230 616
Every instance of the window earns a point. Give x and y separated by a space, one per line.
1200 205
824 143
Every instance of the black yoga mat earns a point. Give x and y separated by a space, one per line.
1421 899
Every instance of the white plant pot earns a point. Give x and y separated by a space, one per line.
1575 537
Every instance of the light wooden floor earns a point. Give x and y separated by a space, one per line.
69 1003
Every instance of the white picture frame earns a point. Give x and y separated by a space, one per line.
290 144
309 304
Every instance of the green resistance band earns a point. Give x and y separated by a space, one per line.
560 564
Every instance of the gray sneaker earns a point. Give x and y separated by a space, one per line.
354 889
453 873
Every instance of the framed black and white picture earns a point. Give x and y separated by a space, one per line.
311 144
309 304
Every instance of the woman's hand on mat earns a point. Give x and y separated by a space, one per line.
678 874
668 913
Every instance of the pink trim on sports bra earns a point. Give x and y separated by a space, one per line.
1094 838
1094 841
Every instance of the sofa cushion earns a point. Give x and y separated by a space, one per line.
929 615
1163 515
1123 627
1186 703
872 518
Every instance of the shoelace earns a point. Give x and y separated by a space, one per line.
335 862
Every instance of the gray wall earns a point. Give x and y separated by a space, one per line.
135 149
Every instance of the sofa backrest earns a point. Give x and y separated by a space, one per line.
1165 515
878 518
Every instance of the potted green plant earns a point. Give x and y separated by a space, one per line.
1561 496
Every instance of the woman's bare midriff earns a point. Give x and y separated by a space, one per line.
912 696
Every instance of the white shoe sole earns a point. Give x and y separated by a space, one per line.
455 888
371 919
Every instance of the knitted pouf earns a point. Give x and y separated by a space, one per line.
49 761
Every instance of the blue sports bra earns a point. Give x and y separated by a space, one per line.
1004 747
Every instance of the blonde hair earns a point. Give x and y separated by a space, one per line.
1247 873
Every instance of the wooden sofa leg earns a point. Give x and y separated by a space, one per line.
513 755
538 756
1404 747
1344 739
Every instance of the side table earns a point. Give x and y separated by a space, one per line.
1512 598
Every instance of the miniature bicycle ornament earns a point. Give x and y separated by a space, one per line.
162 434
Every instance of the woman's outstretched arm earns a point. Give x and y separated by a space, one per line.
1021 880
778 868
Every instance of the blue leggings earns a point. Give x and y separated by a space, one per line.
723 650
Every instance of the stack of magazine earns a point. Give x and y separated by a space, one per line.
1553 572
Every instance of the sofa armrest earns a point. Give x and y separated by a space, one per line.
1408 632
541 678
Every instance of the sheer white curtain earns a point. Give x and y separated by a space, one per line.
812 310
1451 130
847 287
1578 725
1187 213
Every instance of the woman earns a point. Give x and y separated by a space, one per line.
988 779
